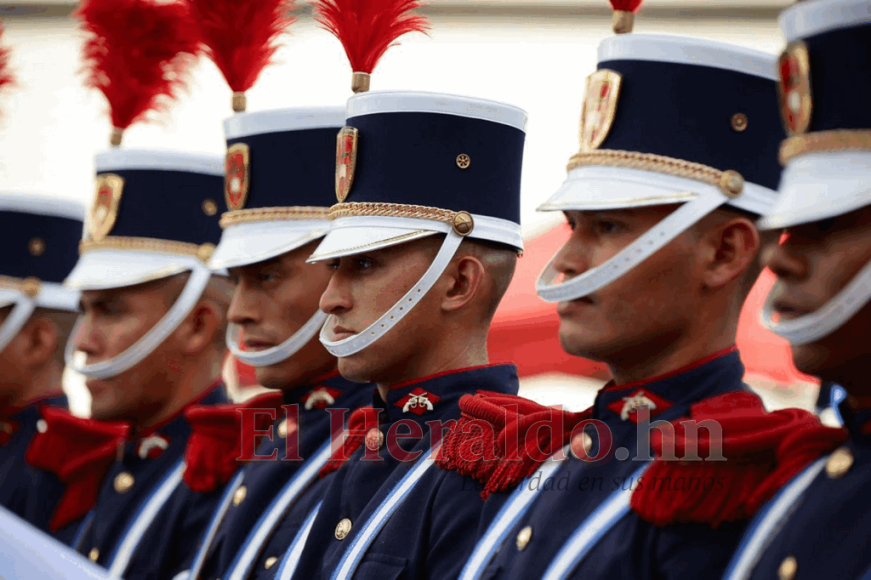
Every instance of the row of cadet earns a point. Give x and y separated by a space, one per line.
390 447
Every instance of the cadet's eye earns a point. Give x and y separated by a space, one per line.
333 264
267 276
363 263
826 225
607 226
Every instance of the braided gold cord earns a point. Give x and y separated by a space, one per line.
729 182
268 214
140 244
350 209
29 286
831 141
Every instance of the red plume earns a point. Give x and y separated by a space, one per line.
240 35
624 14
5 74
626 5
137 53
367 28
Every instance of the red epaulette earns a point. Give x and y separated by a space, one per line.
354 435
762 452
80 453
215 442
495 444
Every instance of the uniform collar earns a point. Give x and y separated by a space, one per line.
176 426
713 375
322 392
427 397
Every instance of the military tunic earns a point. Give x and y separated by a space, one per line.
631 548
262 481
434 525
29 493
134 479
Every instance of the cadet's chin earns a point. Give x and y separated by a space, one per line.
354 368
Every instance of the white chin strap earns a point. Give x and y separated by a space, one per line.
830 317
356 343
276 354
645 246
193 290
18 317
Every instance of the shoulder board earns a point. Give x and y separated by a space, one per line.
499 440
215 441
728 458
80 453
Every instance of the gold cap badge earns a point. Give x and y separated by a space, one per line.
236 176
794 88
105 210
346 161
600 106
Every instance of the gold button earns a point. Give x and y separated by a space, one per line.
36 246
374 439
205 251
270 562
739 122
523 537
94 554
210 208
839 463
240 494
282 429
787 568
123 482
31 287
343 528
731 183
463 161
582 440
463 223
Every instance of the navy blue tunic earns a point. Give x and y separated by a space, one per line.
632 548
434 527
131 481
263 480
828 532
29 493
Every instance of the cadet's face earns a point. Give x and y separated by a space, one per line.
112 321
646 307
365 286
273 300
813 264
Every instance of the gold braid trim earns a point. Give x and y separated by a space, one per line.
29 286
730 182
840 140
268 214
350 209
203 252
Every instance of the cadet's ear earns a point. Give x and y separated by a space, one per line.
464 278
39 342
728 250
198 330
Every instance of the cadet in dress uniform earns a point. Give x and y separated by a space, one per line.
40 235
423 244
279 178
153 316
819 525
678 154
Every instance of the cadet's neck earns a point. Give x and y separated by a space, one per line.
471 355
46 381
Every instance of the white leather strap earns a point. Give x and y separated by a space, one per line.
830 317
142 521
18 317
645 246
356 343
591 530
765 526
193 290
276 354
517 505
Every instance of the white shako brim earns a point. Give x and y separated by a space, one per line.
158 160
249 243
41 204
100 269
282 120
805 19
353 235
598 188
51 295
818 186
